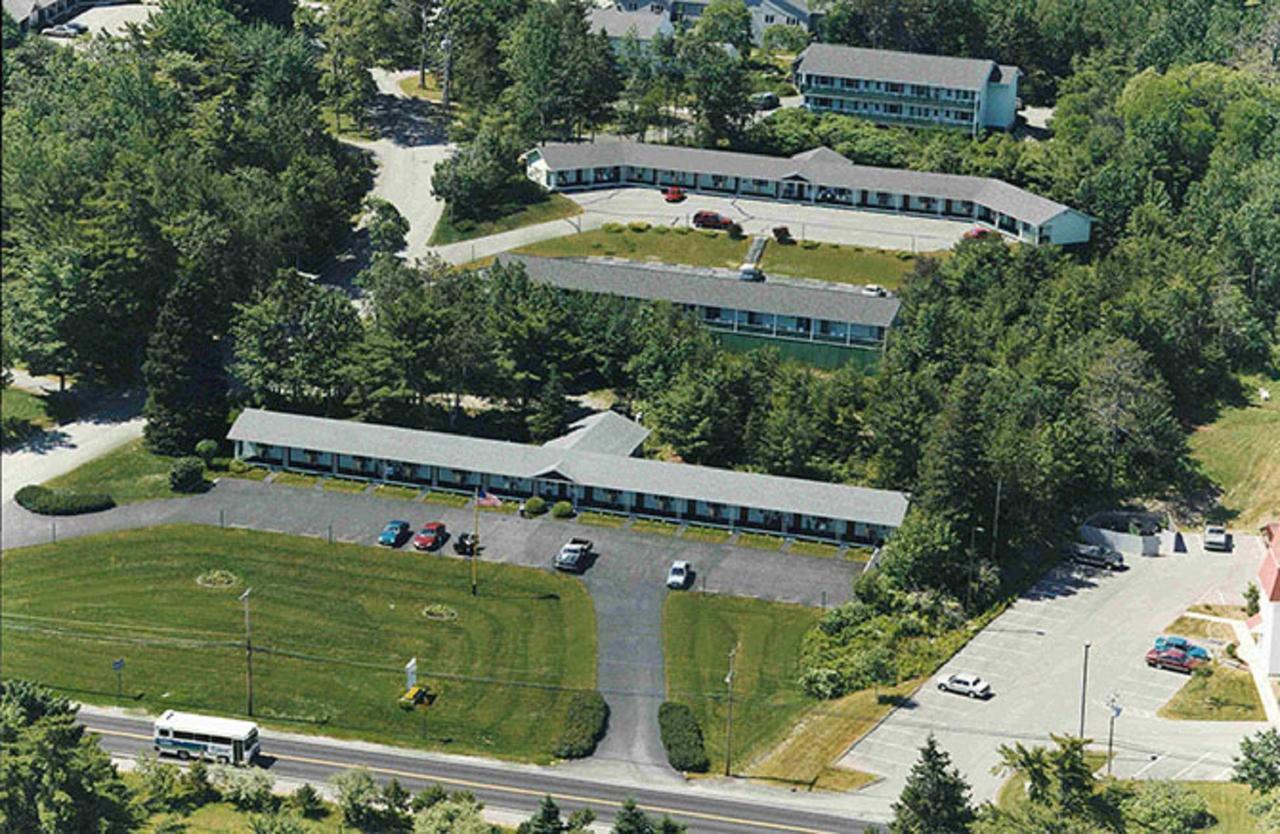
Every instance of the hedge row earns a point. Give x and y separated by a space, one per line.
584 725
47 501
682 737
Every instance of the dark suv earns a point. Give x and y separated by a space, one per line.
711 220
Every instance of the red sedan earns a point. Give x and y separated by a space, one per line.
673 194
431 536
1178 661
711 220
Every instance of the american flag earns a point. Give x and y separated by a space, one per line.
484 498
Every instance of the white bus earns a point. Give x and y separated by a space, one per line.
223 740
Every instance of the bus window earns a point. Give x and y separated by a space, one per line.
164 734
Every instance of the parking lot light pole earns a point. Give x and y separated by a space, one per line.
248 652
1084 685
1114 703
728 733
973 544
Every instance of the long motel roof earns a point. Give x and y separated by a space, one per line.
901 67
570 463
820 166
711 288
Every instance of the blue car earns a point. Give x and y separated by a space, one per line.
394 534
1182 644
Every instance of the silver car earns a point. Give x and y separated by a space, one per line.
965 683
1217 538
679 575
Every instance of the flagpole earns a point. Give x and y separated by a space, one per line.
475 544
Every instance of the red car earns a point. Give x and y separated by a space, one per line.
431 536
711 220
977 232
1178 661
673 194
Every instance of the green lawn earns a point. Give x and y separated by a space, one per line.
814 549
296 479
698 632
128 473
343 485
335 623
601 519
523 204
399 493
659 243
1229 452
760 541
432 92
23 413
661 528
447 499
698 533
842 264
1226 695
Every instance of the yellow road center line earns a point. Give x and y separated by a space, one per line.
468 783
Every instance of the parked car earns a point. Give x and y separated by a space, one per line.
465 544
673 194
711 220
966 683
750 272
60 31
76 27
574 556
1096 555
1217 538
1182 644
765 101
1173 659
977 232
431 536
394 534
679 575
875 291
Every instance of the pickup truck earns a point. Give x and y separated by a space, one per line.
574 555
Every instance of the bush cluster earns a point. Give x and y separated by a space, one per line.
186 475
584 725
535 506
47 501
638 226
682 737
562 509
612 228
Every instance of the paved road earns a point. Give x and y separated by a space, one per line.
1033 656
515 787
104 424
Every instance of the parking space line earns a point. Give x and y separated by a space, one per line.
1178 775
1148 766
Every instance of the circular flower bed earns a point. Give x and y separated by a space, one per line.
439 612
217 578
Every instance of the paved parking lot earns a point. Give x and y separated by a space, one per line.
1033 655
114 18
884 230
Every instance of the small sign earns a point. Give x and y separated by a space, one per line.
411 674
117 664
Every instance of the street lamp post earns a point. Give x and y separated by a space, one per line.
248 652
728 733
1114 703
1084 685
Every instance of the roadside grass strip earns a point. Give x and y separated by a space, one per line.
344 485
505 508
814 549
760 541
401 493
698 631
698 533
447 499
253 473
1226 694
660 528
601 519
333 626
858 554
295 479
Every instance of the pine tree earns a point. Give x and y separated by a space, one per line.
546 820
935 799
631 820
186 391
551 418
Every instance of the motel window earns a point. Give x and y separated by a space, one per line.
768 18
894 87
791 21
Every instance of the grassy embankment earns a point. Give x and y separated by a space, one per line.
24 414
524 203
1232 451
335 625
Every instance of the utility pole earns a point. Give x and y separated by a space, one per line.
728 732
973 551
475 544
248 652
1084 685
1113 701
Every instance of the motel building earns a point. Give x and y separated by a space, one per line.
787 309
817 177
593 466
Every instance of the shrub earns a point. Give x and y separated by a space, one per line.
535 506
638 226
823 682
661 230
562 509
196 788
682 230
47 501
238 466
248 788
1251 597
584 725
612 228
277 822
905 256
735 231
306 801
1231 651
682 737
206 449
358 797
595 244
1167 807
809 244
186 475
159 783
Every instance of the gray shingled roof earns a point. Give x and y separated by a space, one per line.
902 67
607 432
606 471
826 168
616 23
710 288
